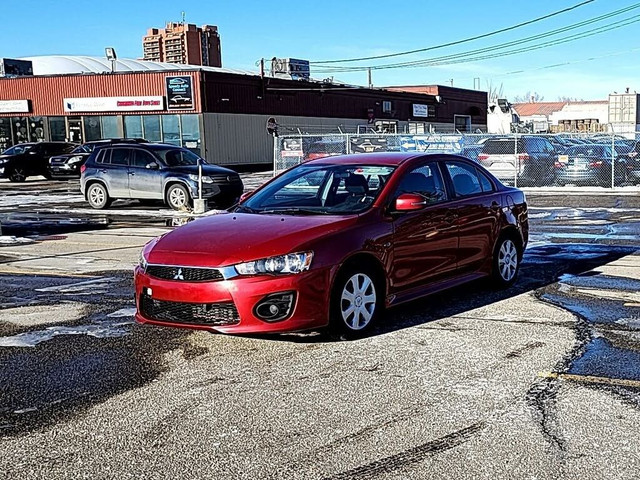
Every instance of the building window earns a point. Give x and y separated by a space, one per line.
92 129
57 129
191 133
417 127
462 123
19 128
5 134
110 127
171 129
36 129
133 126
151 127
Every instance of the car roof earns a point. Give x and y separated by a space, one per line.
148 146
381 158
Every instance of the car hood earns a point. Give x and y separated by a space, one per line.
230 238
6 157
206 170
70 155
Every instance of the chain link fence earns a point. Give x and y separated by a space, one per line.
524 160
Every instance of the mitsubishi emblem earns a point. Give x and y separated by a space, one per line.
178 275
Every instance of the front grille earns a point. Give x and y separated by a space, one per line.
184 274
213 314
225 178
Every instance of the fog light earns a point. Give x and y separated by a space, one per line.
275 307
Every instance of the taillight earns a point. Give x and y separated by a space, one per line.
482 156
597 163
523 156
83 168
633 154
558 165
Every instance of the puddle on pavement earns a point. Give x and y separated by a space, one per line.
612 349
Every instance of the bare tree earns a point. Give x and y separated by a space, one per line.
494 92
570 99
529 97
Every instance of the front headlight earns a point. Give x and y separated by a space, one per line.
282 264
3 161
142 262
204 178
75 159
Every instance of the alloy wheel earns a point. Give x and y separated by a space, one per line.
358 301
177 198
18 175
508 260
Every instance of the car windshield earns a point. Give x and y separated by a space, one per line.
320 189
17 150
86 148
179 157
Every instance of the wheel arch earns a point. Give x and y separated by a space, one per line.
92 181
512 233
368 259
175 181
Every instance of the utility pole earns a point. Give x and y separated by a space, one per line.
370 81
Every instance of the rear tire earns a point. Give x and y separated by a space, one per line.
506 262
357 301
97 196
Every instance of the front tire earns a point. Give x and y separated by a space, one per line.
98 197
178 197
356 302
506 262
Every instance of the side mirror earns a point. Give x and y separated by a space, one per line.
152 166
408 202
245 195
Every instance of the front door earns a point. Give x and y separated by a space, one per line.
144 182
74 129
425 241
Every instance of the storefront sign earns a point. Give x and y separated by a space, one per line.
179 93
14 106
420 110
113 104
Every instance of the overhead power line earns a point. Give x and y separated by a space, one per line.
458 42
480 54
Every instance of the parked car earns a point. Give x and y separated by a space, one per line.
379 230
631 161
155 171
325 148
472 149
30 159
68 165
591 165
530 159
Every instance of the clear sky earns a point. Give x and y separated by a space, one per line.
589 68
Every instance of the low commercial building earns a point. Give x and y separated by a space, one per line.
219 113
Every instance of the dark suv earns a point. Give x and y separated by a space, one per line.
530 159
155 171
68 164
27 159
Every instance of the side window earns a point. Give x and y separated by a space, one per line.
120 156
486 184
465 178
141 158
426 181
103 156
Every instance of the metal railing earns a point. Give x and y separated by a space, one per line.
526 160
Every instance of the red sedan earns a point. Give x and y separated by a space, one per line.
333 242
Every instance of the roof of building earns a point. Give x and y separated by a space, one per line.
538 108
69 64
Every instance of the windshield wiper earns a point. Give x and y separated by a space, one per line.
294 210
244 208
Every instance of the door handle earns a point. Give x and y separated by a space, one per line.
451 217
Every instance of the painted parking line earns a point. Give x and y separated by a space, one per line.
623 382
44 273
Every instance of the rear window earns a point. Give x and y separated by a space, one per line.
502 147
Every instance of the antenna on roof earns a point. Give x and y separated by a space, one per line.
183 17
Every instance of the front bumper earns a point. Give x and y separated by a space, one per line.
64 170
222 195
236 300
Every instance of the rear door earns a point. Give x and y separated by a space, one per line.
116 171
477 207
425 242
144 182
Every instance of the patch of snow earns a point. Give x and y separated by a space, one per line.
8 240
123 312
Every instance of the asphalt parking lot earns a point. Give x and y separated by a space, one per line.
539 381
